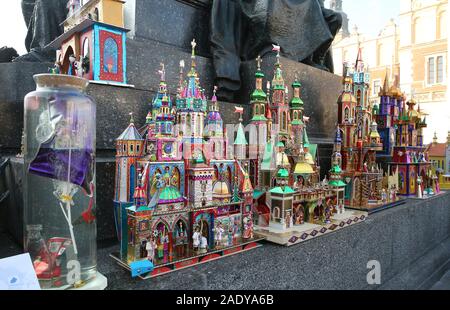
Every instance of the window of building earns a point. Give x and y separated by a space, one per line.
440 69
435 70
431 71
376 87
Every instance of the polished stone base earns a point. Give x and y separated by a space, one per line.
373 208
411 242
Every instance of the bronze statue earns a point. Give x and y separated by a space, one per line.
243 29
43 19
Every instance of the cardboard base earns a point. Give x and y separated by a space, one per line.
193 261
308 231
371 209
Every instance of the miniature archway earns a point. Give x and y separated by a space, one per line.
66 61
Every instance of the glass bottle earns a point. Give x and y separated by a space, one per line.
59 182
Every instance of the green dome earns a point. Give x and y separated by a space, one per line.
283 173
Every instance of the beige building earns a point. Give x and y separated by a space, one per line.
413 51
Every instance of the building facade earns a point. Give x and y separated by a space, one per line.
413 53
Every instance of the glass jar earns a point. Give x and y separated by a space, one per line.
59 182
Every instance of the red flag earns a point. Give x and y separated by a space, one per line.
239 110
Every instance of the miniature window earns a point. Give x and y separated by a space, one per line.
131 148
138 148
110 56
86 47
124 147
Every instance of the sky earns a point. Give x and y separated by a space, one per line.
14 30
370 15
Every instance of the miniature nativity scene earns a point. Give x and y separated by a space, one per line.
292 203
93 45
181 197
402 123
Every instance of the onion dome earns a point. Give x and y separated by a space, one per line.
347 97
221 189
302 168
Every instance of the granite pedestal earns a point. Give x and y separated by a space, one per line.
411 242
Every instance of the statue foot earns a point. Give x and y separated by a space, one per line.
35 56
316 64
7 54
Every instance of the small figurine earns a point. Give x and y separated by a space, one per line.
384 195
230 234
300 216
79 67
180 239
419 187
203 244
248 228
219 234
327 215
150 247
72 68
196 238
56 68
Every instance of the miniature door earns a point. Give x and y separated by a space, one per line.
110 49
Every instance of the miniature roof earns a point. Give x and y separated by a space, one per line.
281 190
130 134
306 139
221 188
258 193
437 149
56 44
283 173
347 97
266 164
313 150
240 137
303 168
336 169
337 183
259 118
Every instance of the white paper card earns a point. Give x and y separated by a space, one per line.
17 273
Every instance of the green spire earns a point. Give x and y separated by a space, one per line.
305 139
240 137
